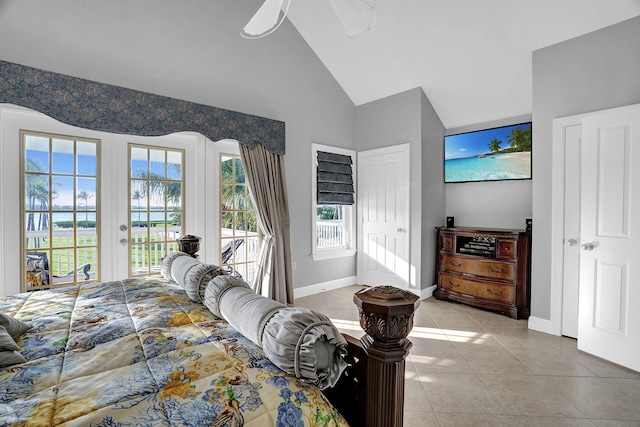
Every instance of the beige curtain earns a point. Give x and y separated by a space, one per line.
264 171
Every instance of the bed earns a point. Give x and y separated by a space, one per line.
142 352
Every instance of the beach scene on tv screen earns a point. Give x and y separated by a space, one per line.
496 154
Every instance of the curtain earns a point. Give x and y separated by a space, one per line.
264 172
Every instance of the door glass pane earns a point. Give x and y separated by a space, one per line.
62 156
86 158
239 237
62 195
155 206
60 210
36 154
157 164
174 165
139 162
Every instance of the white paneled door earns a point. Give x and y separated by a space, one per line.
571 278
609 314
383 200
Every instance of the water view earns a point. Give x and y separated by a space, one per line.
492 167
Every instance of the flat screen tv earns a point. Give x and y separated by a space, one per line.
497 154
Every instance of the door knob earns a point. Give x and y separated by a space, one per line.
123 227
587 246
123 242
572 242
400 229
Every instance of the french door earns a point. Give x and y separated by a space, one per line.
92 206
153 203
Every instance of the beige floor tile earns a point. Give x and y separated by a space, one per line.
460 393
629 386
414 395
615 423
604 368
530 395
597 398
492 360
475 420
552 422
420 419
439 357
472 367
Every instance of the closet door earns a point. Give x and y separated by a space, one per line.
383 203
609 319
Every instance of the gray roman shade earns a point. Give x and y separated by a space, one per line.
335 179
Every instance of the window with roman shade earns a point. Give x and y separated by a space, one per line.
333 201
334 179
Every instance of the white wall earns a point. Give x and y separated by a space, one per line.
193 51
589 73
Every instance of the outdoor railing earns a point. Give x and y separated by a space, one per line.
329 234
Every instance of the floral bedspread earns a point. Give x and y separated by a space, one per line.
138 352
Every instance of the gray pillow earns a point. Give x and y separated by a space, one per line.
165 265
14 327
193 276
217 287
6 341
8 350
306 344
299 341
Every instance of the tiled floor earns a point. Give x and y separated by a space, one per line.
470 367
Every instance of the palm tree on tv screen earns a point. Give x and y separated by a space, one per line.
520 139
494 146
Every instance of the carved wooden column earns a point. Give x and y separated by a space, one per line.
386 315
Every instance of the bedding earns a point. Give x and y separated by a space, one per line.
140 352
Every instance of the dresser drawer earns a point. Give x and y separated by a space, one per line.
506 249
447 243
476 288
479 267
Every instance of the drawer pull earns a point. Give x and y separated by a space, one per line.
454 264
494 293
496 271
453 285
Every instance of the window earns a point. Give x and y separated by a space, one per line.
156 208
239 236
60 201
333 201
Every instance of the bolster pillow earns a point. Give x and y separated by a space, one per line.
191 274
165 265
299 341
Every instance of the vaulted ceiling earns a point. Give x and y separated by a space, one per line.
472 58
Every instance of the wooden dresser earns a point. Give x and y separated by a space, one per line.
488 268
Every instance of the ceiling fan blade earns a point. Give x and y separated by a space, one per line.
267 19
356 16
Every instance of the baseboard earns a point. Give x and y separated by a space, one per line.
540 325
325 286
424 293
348 281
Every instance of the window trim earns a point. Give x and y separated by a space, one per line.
318 254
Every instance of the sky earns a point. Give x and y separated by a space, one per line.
471 144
